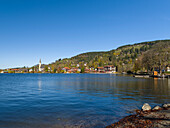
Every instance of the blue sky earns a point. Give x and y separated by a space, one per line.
53 29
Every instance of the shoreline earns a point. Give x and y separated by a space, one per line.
167 77
158 117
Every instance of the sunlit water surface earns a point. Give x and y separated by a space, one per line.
74 100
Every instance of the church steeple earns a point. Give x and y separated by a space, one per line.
40 65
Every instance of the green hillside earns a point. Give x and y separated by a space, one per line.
139 56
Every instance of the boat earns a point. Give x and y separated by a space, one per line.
141 75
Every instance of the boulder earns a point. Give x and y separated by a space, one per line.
157 108
146 107
166 105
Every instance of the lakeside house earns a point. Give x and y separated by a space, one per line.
31 70
110 69
66 69
71 70
100 70
87 70
5 71
75 70
15 70
49 69
106 69
23 70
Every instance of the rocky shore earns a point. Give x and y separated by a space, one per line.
147 117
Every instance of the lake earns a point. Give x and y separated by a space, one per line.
75 100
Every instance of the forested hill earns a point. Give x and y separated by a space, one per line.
139 56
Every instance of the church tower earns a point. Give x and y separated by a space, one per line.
40 65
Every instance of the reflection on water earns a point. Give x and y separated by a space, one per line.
74 100
155 82
39 85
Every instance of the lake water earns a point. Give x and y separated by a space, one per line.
74 100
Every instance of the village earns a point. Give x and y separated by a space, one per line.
109 69
47 69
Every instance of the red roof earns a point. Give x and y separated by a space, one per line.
100 67
66 68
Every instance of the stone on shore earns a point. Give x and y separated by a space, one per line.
146 107
166 105
157 108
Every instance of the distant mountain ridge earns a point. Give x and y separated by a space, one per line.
123 57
